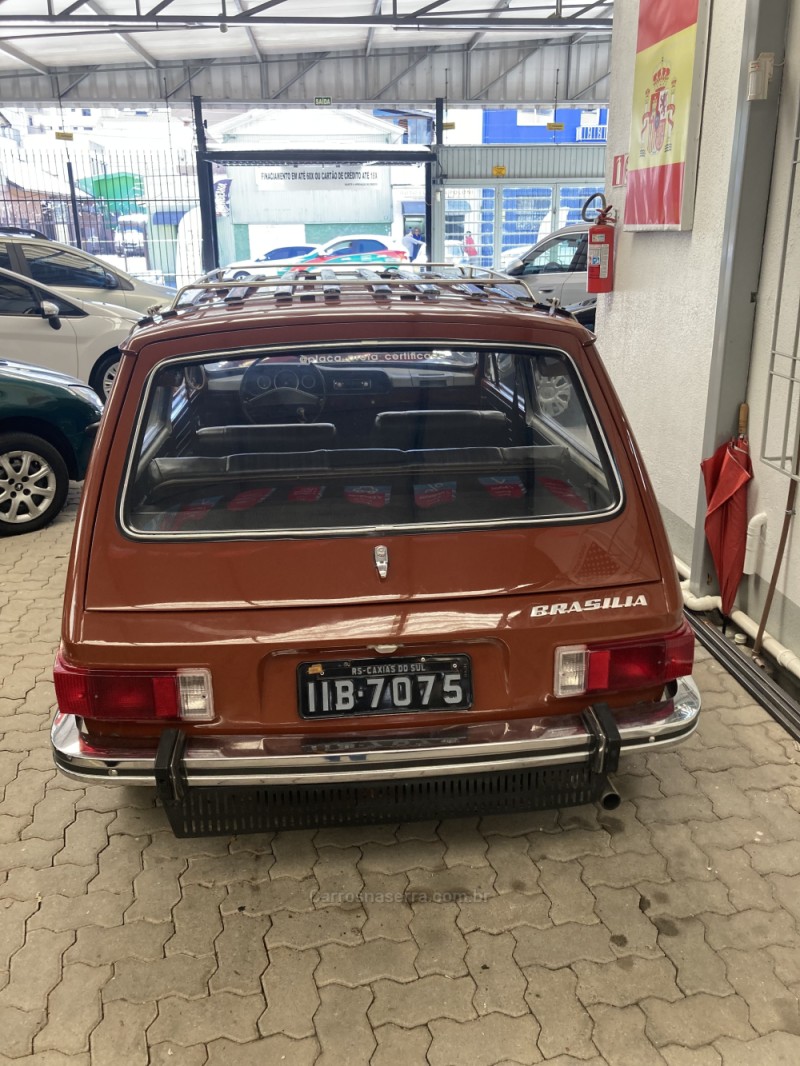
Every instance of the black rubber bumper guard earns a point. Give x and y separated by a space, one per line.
225 810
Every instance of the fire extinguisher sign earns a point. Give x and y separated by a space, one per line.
598 259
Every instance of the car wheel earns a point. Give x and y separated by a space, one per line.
104 374
554 392
241 274
33 483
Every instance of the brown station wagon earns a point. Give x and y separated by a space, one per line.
360 546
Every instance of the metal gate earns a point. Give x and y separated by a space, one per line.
136 209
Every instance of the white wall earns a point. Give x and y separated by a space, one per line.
656 329
769 488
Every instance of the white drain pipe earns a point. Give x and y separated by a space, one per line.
785 658
754 527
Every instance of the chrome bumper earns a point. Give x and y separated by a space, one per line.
289 760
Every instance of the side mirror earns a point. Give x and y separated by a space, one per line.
111 280
51 313
515 268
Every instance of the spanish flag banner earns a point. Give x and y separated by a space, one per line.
665 121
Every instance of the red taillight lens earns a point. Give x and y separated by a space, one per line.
121 695
624 665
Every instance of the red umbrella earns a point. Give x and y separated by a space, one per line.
726 475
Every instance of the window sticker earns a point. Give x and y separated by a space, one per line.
193 512
369 495
244 501
435 494
503 488
306 493
564 492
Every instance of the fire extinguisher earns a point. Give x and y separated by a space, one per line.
600 249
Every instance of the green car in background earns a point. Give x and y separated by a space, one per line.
48 423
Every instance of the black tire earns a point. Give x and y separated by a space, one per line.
240 275
33 483
104 373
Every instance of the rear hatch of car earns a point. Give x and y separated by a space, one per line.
398 532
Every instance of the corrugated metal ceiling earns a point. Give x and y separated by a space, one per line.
382 50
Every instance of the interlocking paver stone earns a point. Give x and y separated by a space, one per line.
750 930
516 872
263 1052
73 1009
73 912
343 1030
570 899
466 845
563 945
566 1025
683 1056
197 1021
619 1033
632 932
362 964
682 899
100 946
156 892
441 943
337 874
772 1006
397 1045
697 1020
197 920
622 871
499 913
121 1037
291 992
423 1000
35 969
241 954
138 981
330 925
774 1049
699 969
626 981
18 1027
499 981
746 888
484 1041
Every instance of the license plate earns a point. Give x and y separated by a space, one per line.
384 686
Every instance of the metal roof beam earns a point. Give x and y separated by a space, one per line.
192 74
15 53
402 74
456 22
376 10
125 37
75 83
250 35
300 74
501 6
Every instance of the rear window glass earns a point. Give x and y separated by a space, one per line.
343 440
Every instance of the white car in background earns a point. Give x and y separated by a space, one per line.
555 267
77 273
43 326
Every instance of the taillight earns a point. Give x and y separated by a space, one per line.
583 669
134 696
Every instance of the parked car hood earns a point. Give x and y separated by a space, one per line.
11 368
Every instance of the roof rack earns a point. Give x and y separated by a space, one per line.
329 281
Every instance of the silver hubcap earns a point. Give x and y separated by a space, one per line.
27 486
554 394
109 378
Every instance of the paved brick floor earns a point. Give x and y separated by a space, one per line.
664 932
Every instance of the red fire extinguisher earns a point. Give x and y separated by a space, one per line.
600 250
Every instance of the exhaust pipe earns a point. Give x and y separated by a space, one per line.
609 798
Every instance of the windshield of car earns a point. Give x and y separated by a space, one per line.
320 441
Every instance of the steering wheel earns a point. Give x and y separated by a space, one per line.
278 392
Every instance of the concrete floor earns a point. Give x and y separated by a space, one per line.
663 932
